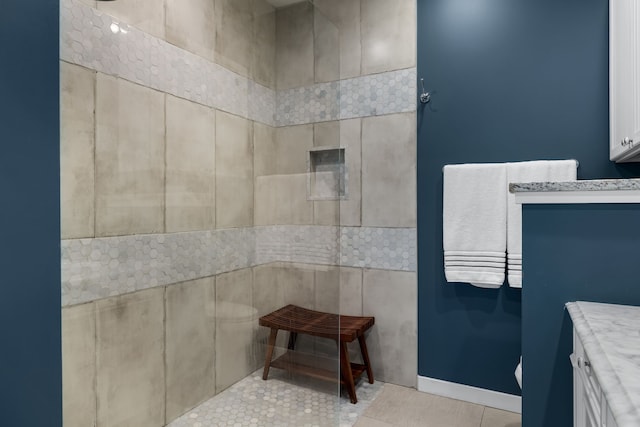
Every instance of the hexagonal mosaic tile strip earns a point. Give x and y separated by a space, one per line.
378 94
308 244
310 104
95 40
104 267
279 402
380 248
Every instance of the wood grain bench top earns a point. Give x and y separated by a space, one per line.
327 325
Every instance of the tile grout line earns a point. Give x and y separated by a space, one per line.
95 153
484 408
164 347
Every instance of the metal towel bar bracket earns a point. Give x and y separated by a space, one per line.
425 97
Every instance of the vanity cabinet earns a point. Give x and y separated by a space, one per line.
590 407
624 80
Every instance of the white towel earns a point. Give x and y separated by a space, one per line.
474 218
534 171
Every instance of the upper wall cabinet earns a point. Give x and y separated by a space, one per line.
624 84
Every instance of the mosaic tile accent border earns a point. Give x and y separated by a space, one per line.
372 95
378 94
104 267
95 40
309 104
379 248
306 244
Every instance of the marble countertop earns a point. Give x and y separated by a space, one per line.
580 185
610 334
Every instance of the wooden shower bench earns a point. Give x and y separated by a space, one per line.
342 329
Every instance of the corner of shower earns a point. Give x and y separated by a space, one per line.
204 185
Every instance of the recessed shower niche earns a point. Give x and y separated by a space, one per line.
327 174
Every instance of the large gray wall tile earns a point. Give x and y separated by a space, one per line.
79 365
190 346
294 46
236 325
234 35
77 144
345 15
191 26
390 296
265 154
282 199
268 296
326 48
146 15
130 359
268 289
190 163
234 171
263 66
389 171
346 134
298 281
129 158
388 35
338 290
292 149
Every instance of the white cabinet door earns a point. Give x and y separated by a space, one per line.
624 84
589 404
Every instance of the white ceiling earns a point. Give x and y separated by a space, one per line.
281 3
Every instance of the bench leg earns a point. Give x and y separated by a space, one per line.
365 357
270 345
345 371
293 336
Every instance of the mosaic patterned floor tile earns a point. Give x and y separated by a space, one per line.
282 402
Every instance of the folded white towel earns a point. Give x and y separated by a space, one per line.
474 223
534 171
518 373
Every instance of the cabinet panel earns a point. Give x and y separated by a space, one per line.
590 408
624 77
607 416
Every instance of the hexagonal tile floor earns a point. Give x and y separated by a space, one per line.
280 401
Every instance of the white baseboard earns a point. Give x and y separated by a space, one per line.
481 396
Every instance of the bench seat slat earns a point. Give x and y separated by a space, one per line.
327 325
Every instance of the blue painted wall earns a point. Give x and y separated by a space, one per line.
30 361
570 253
511 80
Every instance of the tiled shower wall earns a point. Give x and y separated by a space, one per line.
184 177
